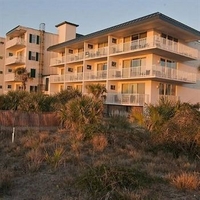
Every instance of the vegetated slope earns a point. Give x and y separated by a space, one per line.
116 163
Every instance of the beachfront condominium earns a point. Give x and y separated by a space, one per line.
27 59
138 61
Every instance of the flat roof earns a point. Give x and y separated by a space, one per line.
147 18
65 22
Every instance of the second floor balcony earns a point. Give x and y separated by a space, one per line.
127 99
154 71
15 60
57 78
95 75
96 53
15 44
74 77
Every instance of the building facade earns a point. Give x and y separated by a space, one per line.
2 60
138 61
26 58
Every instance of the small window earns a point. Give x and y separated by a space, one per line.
35 39
33 72
9 70
114 64
1 72
70 69
1 87
71 51
10 54
90 46
114 40
9 86
112 87
33 88
33 56
89 67
46 84
1 57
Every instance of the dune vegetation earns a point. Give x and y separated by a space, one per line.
150 155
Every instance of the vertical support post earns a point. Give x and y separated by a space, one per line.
13 135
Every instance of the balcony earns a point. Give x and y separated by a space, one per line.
15 44
57 78
160 45
154 71
96 53
12 77
172 98
127 99
15 60
54 62
74 77
95 75
75 57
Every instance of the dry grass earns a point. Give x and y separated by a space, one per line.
56 160
6 177
186 180
99 142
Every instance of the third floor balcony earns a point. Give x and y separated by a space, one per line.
156 44
15 44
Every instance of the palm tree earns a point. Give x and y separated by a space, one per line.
22 74
97 90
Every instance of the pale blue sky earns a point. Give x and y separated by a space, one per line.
91 15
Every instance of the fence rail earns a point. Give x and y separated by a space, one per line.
28 120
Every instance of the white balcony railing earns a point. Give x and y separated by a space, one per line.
57 61
152 71
57 78
95 75
127 99
73 77
15 42
96 53
75 57
155 42
169 97
12 60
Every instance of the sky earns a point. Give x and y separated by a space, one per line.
91 15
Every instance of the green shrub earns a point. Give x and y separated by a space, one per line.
105 181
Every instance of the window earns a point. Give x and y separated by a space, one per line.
167 89
35 39
89 67
33 88
1 57
168 63
90 46
1 87
33 72
9 70
33 56
71 51
10 54
112 87
46 84
9 86
139 36
101 66
1 72
133 88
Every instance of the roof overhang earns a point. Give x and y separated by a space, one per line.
17 31
156 21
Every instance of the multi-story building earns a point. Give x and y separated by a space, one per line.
2 59
26 49
138 61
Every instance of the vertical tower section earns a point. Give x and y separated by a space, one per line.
41 59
